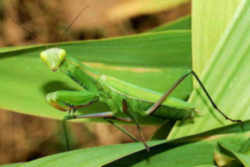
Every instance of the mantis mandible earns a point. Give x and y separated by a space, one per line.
127 102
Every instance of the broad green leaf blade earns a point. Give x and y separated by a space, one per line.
16 48
243 158
205 166
209 21
137 7
152 48
176 154
179 24
236 150
161 151
148 49
91 157
13 165
226 78
191 155
25 80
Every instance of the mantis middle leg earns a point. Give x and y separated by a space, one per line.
110 117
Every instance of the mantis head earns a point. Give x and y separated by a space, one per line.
53 57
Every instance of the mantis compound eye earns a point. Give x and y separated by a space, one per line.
53 57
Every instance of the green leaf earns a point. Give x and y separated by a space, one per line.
243 158
226 78
205 166
25 80
234 148
182 23
91 157
171 156
161 153
13 165
176 153
152 48
138 7
209 21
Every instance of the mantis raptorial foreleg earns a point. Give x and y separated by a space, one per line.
65 100
70 101
154 107
73 100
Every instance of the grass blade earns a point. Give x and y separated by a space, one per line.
226 77
25 80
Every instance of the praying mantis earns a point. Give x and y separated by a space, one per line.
127 102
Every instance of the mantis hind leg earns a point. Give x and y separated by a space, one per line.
125 110
155 106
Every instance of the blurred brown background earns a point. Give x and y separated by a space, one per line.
25 22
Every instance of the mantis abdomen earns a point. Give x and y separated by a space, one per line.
139 100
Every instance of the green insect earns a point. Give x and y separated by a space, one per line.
127 102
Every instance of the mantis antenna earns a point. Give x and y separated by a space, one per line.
66 29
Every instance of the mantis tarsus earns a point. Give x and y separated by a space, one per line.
127 102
